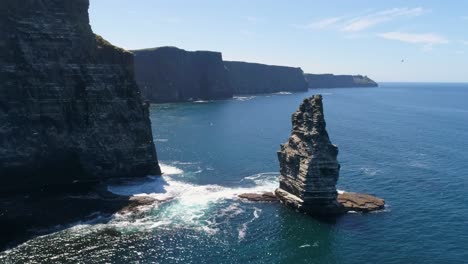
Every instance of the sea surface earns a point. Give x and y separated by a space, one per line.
404 142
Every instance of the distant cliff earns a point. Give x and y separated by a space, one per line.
70 110
254 78
338 81
169 74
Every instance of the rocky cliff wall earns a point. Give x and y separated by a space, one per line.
70 110
338 81
169 74
255 78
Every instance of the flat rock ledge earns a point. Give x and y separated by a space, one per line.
350 201
259 197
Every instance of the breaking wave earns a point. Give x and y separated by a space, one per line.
243 98
189 205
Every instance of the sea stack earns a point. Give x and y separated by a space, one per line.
70 109
308 163
309 169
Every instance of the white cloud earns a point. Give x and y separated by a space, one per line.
367 21
362 22
465 42
324 23
427 39
464 18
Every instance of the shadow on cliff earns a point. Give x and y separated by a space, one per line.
26 216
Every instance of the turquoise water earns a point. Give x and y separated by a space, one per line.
407 143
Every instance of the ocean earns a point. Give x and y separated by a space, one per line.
404 142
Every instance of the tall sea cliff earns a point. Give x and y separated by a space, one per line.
338 81
255 78
70 110
169 74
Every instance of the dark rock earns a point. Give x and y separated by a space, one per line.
70 110
169 74
26 216
310 170
255 78
338 81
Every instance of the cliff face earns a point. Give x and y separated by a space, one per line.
70 110
308 163
338 81
254 78
170 74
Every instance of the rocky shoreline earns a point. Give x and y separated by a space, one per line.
23 217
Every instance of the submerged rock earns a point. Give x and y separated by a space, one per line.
310 169
70 109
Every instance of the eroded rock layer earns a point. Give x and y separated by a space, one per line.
169 74
308 163
70 110
255 78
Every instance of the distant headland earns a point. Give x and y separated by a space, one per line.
338 81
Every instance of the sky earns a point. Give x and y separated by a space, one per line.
417 41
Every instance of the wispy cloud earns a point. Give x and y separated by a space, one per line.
366 21
427 38
464 18
324 23
255 20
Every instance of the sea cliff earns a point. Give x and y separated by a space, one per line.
170 74
70 110
338 81
255 78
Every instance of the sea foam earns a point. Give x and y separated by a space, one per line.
190 205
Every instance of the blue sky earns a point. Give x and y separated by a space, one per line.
344 37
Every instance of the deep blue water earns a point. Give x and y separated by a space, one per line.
406 143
